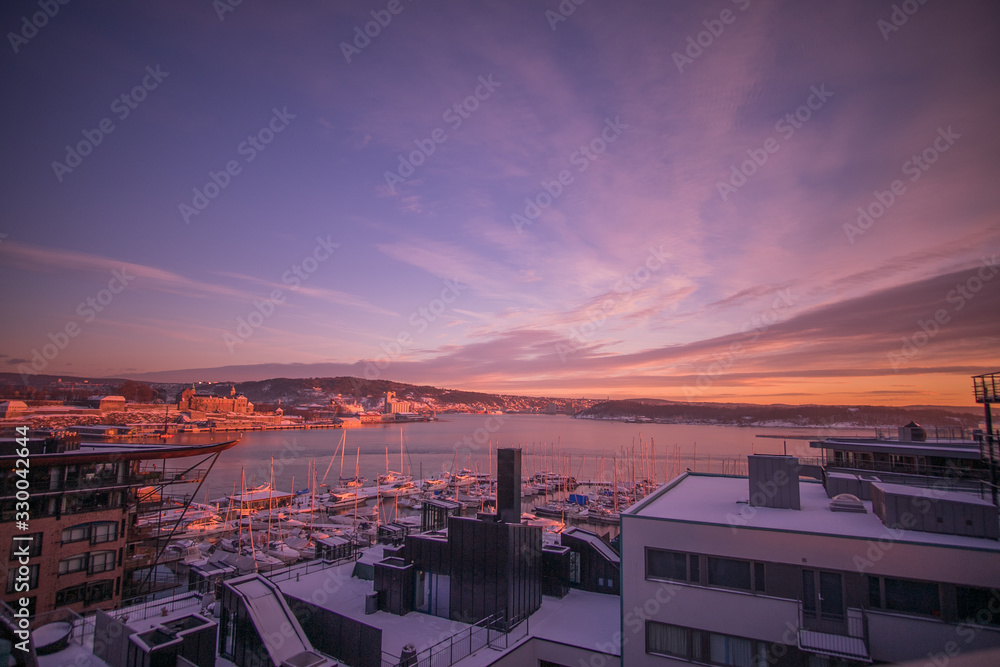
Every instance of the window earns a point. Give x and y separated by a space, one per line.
979 605
101 561
824 592
33 546
100 591
71 595
12 575
874 593
662 564
729 573
673 640
73 564
915 597
758 577
726 650
76 533
97 533
105 531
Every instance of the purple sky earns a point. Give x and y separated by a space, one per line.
666 262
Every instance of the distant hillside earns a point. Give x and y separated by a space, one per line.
319 390
742 414
289 391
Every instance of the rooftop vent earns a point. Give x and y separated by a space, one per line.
935 511
847 502
774 481
912 432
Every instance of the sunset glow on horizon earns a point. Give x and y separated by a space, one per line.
733 201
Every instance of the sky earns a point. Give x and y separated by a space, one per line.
736 200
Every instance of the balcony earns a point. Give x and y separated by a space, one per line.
99 481
845 637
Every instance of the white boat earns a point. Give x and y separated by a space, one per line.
282 552
345 500
405 488
264 561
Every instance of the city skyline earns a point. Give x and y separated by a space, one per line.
727 201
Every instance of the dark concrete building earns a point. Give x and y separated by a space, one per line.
477 568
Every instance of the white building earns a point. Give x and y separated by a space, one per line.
721 571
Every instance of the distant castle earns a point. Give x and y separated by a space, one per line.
192 400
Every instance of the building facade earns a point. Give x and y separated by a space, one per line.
190 400
773 571
81 549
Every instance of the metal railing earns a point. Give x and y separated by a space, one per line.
492 632
305 567
150 608
840 636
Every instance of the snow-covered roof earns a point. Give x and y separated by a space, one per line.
717 500
594 540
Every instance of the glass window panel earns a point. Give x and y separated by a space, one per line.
978 605
874 593
831 595
917 597
76 533
729 573
666 564
726 650
809 591
105 532
668 639
102 561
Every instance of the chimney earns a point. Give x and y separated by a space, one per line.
509 485
774 481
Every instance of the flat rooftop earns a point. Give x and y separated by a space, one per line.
717 499
587 620
954 449
346 596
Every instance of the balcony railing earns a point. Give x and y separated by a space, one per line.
843 637
101 481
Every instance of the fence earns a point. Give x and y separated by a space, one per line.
308 566
492 632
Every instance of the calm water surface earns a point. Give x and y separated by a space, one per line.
463 440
